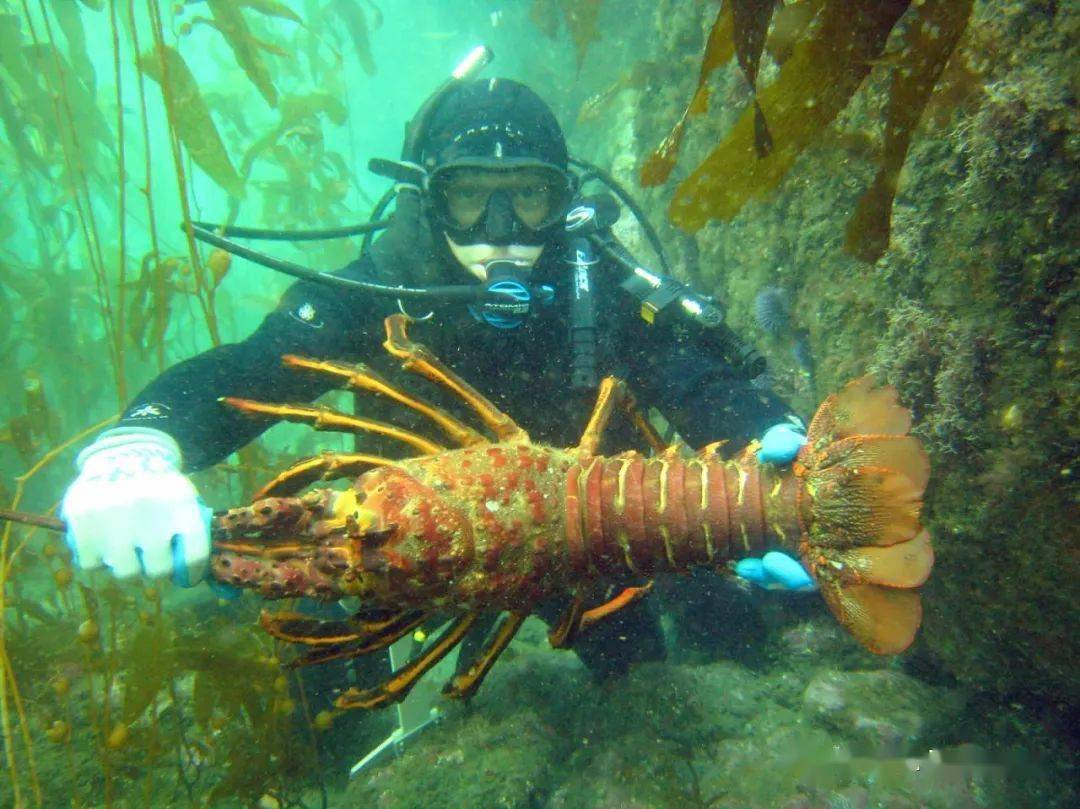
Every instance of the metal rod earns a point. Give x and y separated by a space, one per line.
40 520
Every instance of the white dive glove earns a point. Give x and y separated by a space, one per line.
132 511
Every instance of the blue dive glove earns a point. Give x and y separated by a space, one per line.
775 571
782 442
132 511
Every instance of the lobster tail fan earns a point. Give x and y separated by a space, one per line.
856 506
904 565
863 482
882 619
859 409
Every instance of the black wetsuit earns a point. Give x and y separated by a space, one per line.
524 371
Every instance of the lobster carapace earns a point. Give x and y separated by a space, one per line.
503 525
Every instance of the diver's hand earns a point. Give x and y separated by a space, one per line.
131 510
782 442
775 571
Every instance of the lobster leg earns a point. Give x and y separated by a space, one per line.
326 418
644 426
464 685
360 377
564 632
631 595
576 619
397 687
419 359
295 627
614 393
326 466
346 645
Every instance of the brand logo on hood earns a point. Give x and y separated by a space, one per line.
306 314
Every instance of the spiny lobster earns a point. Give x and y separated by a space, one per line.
503 525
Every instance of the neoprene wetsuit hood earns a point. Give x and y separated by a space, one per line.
497 122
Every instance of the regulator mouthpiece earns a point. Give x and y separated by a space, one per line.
510 298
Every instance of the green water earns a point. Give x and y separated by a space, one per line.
961 292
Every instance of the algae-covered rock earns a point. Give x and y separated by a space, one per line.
503 749
878 711
971 313
491 759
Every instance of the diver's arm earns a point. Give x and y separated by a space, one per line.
310 320
705 398
676 366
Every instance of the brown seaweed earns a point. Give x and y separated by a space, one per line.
69 17
272 8
582 19
191 117
150 301
813 86
789 26
13 121
928 44
11 59
230 22
77 103
751 19
296 108
636 77
376 15
544 15
356 24
719 48
583 23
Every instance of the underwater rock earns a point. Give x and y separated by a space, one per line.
801 352
882 712
817 639
934 361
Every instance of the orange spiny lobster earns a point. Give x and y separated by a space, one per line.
504 525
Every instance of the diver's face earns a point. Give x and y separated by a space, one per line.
529 195
476 258
498 214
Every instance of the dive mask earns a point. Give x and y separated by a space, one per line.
510 204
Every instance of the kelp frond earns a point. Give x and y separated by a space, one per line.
191 117
582 18
928 44
819 74
229 20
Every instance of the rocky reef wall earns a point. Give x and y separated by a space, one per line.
971 313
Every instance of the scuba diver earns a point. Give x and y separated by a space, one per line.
488 243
